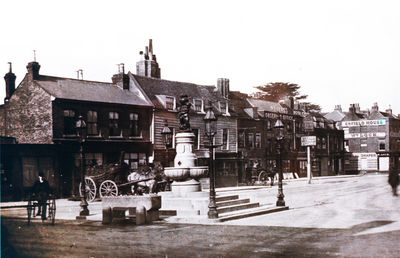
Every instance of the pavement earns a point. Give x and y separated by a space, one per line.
328 202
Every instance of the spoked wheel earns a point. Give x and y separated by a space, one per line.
31 210
108 188
52 211
90 188
263 177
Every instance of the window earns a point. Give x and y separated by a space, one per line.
382 145
134 129
225 139
134 160
92 123
198 105
223 107
323 143
258 140
69 122
93 159
196 143
171 138
269 124
250 140
113 124
170 103
241 139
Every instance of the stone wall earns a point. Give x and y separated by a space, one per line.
29 115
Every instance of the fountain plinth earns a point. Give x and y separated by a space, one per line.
184 173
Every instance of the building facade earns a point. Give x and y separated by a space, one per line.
40 116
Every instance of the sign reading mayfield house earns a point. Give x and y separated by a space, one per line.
363 123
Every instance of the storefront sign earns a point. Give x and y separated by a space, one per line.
275 115
308 141
364 135
363 123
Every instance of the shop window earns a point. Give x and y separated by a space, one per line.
94 159
323 143
92 128
134 125
134 160
69 122
114 124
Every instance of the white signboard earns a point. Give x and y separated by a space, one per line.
364 135
363 123
308 141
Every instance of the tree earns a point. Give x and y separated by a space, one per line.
275 91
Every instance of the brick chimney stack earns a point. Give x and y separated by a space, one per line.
148 66
338 108
375 107
33 70
121 79
10 83
223 86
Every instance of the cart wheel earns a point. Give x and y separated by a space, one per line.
108 188
52 211
263 177
30 209
90 189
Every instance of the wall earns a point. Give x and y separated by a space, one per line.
29 115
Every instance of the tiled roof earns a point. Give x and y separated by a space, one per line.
74 89
154 87
335 115
269 106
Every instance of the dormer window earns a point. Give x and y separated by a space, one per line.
198 105
169 103
223 107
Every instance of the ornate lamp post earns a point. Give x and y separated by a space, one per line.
80 127
166 134
279 128
210 130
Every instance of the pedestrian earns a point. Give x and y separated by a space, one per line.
394 181
41 191
248 173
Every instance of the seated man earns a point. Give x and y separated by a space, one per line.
41 190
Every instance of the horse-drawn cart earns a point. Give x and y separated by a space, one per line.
117 179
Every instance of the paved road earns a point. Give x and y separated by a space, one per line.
337 217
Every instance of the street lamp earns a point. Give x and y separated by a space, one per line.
279 134
80 127
210 130
166 134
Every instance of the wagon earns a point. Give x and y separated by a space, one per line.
113 180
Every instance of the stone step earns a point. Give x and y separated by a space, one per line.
250 212
226 198
232 202
237 207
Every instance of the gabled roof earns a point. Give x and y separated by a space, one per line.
379 115
74 89
154 87
268 106
335 115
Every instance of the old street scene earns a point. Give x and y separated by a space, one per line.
206 144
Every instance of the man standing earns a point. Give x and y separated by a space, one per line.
393 180
41 190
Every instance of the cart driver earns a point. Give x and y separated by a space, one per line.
41 190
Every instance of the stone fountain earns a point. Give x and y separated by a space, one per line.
185 173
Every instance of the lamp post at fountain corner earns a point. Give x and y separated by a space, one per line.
279 134
210 121
80 127
166 134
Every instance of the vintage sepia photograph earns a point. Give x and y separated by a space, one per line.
200 128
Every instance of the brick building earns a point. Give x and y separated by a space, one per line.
372 139
40 115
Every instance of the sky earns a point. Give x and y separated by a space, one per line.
339 52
